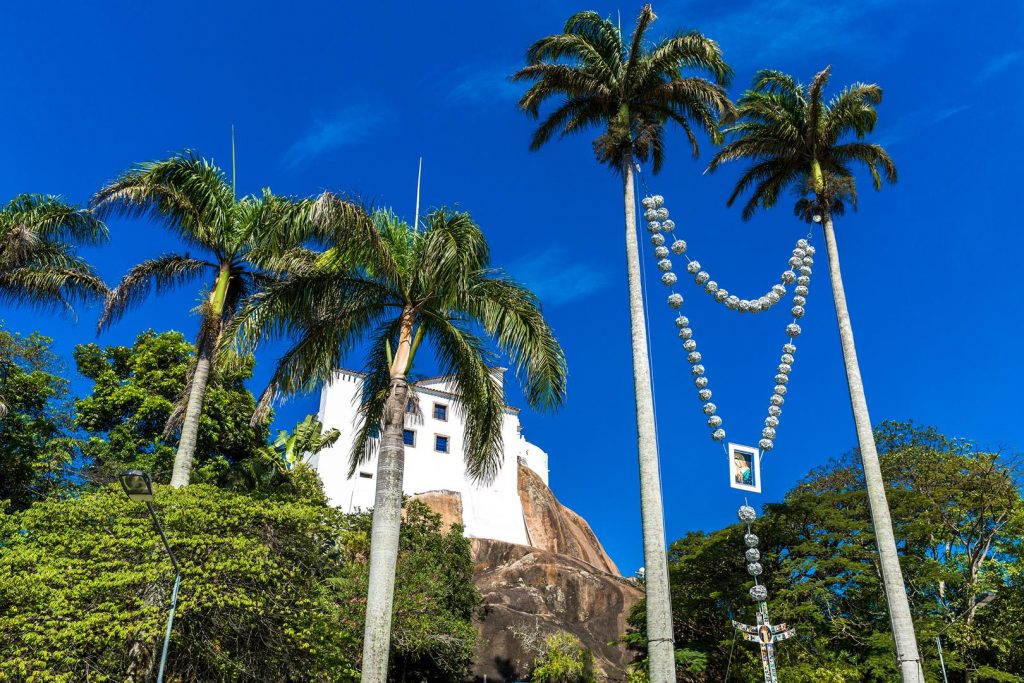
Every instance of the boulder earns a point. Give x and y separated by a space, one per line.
448 504
532 593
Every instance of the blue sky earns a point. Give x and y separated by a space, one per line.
347 97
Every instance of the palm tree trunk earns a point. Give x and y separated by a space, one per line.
907 655
660 644
387 517
190 426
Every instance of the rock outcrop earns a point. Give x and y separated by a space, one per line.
552 526
448 504
531 593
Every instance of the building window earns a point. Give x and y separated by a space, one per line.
441 412
409 437
366 475
441 443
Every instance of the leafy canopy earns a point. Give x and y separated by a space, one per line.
39 265
441 276
631 90
796 140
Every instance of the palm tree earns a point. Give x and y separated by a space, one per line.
798 141
307 437
38 263
242 243
436 286
631 91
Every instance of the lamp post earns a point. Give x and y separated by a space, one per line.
138 486
979 602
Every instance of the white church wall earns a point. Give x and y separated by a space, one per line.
490 510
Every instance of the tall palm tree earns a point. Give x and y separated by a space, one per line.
433 286
38 263
242 244
631 91
797 140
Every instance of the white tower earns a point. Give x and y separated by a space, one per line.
433 457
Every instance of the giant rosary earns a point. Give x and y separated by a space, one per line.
744 461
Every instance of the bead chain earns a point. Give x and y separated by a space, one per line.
659 224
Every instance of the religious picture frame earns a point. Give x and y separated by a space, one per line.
744 467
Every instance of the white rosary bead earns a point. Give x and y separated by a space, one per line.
693 357
780 390
759 593
668 279
744 306
803 280
693 267
788 277
789 348
781 378
752 555
808 261
793 330
679 247
714 422
658 200
801 243
771 421
662 214
675 300
668 226
718 435
664 264
776 400
773 298
799 300
651 214
733 302
701 277
654 227
697 370
685 333
801 290
661 252
797 311
648 203
768 433
711 287
805 271
764 304
779 290
785 368
704 395
810 251
799 253
766 445
701 382
690 345
682 321
710 408
657 240
787 358
795 261
774 411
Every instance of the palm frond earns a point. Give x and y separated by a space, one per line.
160 275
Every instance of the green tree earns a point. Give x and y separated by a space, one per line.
307 437
434 285
563 659
244 243
35 452
795 139
38 263
272 590
631 90
134 392
960 513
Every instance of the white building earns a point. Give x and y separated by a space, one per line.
433 458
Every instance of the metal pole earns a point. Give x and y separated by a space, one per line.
942 662
174 593
167 634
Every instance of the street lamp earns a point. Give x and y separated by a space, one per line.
138 486
981 601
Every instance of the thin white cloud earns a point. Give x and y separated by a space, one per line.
918 121
484 85
557 277
999 64
343 128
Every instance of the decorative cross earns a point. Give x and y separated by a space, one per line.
765 633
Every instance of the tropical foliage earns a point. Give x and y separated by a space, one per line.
563 659
434 285
272 589
962 517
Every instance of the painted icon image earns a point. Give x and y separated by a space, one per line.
744 468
